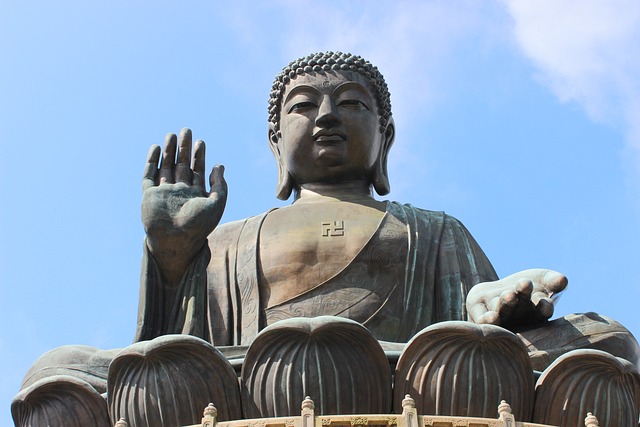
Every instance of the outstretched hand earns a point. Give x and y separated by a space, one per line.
522 299
178 213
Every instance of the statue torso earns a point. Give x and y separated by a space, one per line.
306 244
391 267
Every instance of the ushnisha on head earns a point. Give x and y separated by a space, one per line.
327 66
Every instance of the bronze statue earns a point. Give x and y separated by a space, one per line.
331 133
335 251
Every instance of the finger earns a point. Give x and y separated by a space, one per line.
493 303
524 287
183 165
199 152
490 318
150 175
217 182
507 304
544 305
538 296
545 308
168 159
477 311
554 282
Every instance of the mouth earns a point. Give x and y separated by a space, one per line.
328 137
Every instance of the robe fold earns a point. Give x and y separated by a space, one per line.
416 269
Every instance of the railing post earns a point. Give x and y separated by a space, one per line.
307 413
409 412
591 421
209 416
505 415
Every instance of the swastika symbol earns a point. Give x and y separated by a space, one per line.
332 228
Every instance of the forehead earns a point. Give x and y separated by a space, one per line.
327 82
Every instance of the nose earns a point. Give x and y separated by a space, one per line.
327 113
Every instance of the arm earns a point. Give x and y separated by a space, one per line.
178 213
521 299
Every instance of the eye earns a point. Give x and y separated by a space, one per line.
353 104
301 106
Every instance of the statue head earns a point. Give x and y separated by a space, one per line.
330 120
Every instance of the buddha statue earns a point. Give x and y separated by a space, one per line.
391 269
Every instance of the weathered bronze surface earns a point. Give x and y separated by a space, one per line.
337 360
60 400
161 368
335 251
460 368
590 379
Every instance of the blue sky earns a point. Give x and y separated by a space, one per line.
520 118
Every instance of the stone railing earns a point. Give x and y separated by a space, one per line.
408 418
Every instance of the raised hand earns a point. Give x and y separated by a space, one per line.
522 299
178 213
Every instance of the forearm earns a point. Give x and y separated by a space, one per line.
178 307
173 256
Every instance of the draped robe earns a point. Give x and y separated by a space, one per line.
416 268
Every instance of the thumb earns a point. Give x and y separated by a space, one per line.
554 282
217 182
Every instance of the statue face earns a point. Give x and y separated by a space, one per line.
329 129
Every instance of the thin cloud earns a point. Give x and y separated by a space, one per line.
587 52
414 40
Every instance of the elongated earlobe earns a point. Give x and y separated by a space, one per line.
285 184
285 180
380 175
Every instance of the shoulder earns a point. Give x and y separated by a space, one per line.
227 229
438 222
426 214
227 234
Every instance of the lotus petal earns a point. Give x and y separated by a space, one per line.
584 381
464 369
60 400
168 380
335 361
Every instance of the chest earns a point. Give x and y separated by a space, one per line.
303 246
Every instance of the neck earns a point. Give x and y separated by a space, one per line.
350 190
